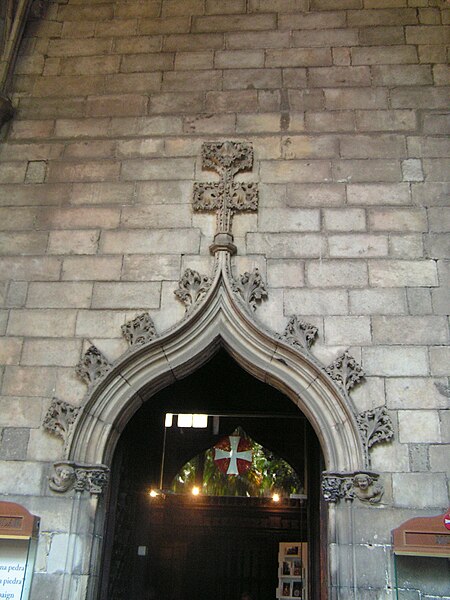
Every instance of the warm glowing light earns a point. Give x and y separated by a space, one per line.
169 420
195 491
276 497
153 493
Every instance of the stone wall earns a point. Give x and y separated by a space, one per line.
345 104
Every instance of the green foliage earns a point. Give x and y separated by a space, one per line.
267 475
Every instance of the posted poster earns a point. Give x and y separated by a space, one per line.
13 561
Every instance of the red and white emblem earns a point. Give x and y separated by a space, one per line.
233 455
447 520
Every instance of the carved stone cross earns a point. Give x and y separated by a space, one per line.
226 196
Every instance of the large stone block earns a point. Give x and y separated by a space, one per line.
21 477
315 302
414 393
410 330
396 361
357 245
366 170
377 301
336 273
295 171
221 23
28 381
159 241
420 490
353 331
157 168
288 219
42 323
396 273
440 360
344 219
73 241
59 295
51 352
286 245
126 295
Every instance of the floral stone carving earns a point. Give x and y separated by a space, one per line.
346 371
92 366
140 330
192 288
226 196
60 417
299 333
80 477
251 288
375 426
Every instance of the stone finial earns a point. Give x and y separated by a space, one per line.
92 366
59 418
226 196
80 477
346 371
192 288
140 330
251 288
299 333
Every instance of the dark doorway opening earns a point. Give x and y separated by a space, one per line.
177 547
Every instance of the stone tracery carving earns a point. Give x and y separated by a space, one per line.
60 417
251 288
346 371
192 288
363 485
92 366
80 477
226 196
140 330
299 333
375 426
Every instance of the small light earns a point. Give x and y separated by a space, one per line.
153 493
195 490
276 497
169 420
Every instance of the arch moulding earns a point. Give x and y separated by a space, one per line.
220 319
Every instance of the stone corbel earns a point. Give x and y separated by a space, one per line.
68 475
361 485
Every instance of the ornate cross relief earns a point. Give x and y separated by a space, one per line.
226 196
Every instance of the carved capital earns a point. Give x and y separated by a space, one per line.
192 288
361 485
79 477
92 366
375 426
60 418
250 288
299 333
140 330
345 371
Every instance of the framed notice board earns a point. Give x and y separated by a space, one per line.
18 541
422 555
293 570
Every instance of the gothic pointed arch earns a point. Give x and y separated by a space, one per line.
221 316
